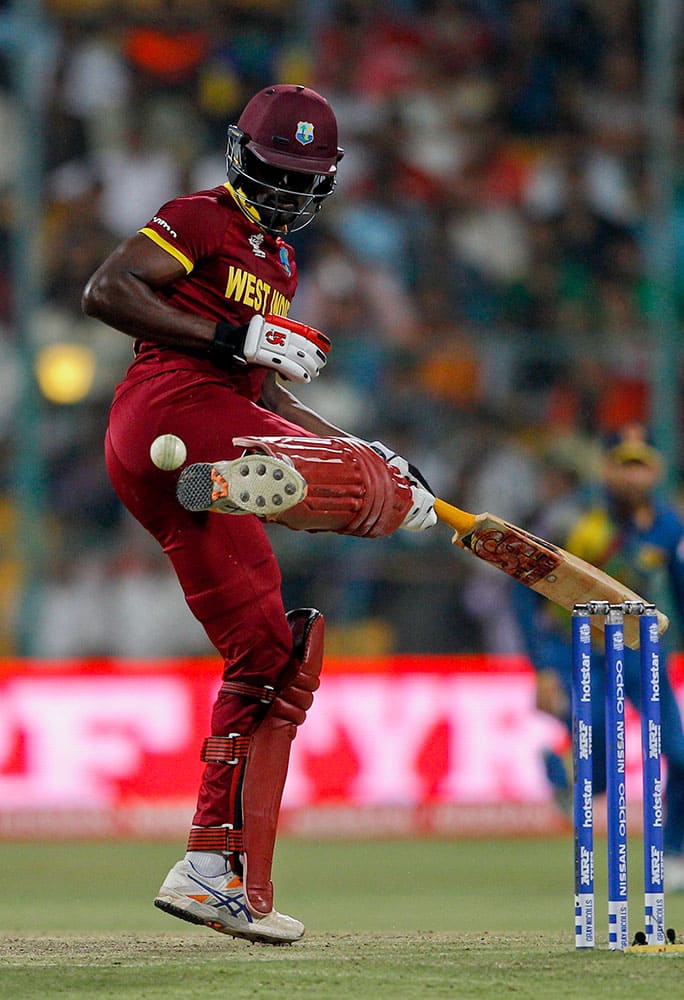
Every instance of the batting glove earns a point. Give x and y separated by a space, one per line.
422 513
295 350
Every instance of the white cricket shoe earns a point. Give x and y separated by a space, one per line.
218 901
253 484
673 880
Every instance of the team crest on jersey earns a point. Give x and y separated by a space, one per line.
304 133
285 261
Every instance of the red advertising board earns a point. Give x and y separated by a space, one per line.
401 745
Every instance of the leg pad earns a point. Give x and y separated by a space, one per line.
350 489
269 756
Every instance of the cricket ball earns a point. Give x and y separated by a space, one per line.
168 452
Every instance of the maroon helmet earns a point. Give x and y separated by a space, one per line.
282 156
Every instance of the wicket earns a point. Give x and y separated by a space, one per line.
655 934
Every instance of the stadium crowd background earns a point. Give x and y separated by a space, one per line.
479 271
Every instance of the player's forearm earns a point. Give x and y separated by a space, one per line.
125 302
279 400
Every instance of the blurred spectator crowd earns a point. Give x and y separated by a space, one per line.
480 272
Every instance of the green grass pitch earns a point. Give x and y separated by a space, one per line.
385 919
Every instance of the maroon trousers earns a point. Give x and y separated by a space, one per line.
224 563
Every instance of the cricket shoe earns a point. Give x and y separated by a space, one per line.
253 484
218 901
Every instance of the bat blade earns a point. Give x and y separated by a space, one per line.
558 575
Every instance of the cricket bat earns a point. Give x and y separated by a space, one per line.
558 575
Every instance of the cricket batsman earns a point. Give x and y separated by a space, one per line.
204 289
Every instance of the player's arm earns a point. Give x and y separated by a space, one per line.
277 398
122 293
675 550
535 629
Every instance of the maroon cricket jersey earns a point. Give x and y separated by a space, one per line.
233 270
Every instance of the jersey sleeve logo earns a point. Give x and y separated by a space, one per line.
304 133
163 224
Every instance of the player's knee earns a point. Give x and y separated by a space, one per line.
284 685
302 677
264 650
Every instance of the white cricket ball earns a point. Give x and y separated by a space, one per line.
168 452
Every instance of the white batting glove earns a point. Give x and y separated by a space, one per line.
422 513
295 350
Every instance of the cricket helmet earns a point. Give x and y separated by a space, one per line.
282 156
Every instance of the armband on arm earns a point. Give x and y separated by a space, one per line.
297 351
228 343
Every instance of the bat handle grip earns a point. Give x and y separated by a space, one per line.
460 520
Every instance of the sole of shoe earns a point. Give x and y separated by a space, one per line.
234 928
253 484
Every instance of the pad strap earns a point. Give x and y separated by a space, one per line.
265 694
225 749
215 838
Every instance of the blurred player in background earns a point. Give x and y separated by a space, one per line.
204 288
636 536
